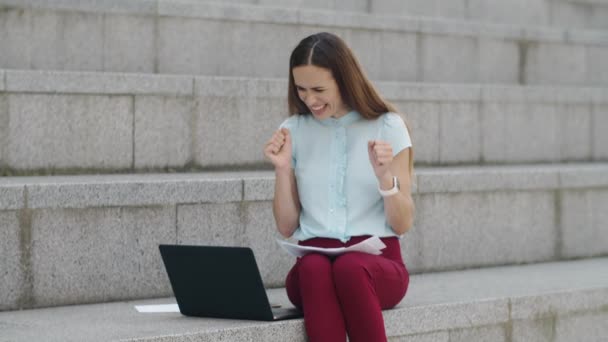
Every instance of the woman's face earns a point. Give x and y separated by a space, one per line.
318 89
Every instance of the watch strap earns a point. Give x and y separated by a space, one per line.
392 191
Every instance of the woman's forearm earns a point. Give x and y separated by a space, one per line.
286 203
399 211
398 208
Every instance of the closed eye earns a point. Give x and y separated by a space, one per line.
318 90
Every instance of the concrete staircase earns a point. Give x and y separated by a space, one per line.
113 139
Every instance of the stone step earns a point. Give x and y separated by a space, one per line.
83 122
590 14
87 239
561 301
192 37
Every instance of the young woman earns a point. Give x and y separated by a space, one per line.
343 166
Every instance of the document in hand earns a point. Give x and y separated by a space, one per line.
373 245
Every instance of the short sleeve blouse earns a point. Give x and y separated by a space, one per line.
336 183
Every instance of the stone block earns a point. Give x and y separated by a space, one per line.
46 42
4 128
460 133
423 121
516 12
230 59
228 48
449 58
368 48
589 297
210 224
15 33
583 223
181 49
503 93
261 235
597 72
12 197
99 254
351 5
163 131
430 92
243 140
591 327
520 133
235 54
94 6
574 127
541 330
83 41
405 7
288 330
445 316
148 84
495 132
456 9
67 40
129 43
498 61
398 58
548 63
134 190
600 138
97 83
479 229
585 176
569 14
597 19
260 187
317 4
12 272
411 242
494 333
69 131
471 179
441 336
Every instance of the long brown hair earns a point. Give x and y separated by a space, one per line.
329 51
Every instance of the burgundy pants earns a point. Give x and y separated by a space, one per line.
346 294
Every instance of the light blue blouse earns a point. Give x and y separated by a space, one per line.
336 183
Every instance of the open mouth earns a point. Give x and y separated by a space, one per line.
318 110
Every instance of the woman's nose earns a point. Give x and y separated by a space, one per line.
309 100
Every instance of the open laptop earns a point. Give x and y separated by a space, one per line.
219 282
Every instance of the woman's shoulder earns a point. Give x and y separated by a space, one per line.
292 122
391 119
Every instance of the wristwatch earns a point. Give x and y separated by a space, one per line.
393 190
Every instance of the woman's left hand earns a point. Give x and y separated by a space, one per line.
380 156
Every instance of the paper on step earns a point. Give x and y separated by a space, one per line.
158 308
373 245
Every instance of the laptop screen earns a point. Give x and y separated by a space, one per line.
213 281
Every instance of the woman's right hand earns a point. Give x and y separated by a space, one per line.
278 149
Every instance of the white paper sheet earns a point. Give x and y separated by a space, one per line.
373 245
157 308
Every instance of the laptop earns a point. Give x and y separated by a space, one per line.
219 282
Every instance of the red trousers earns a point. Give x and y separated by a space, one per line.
346 294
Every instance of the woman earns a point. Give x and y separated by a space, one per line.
343 166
